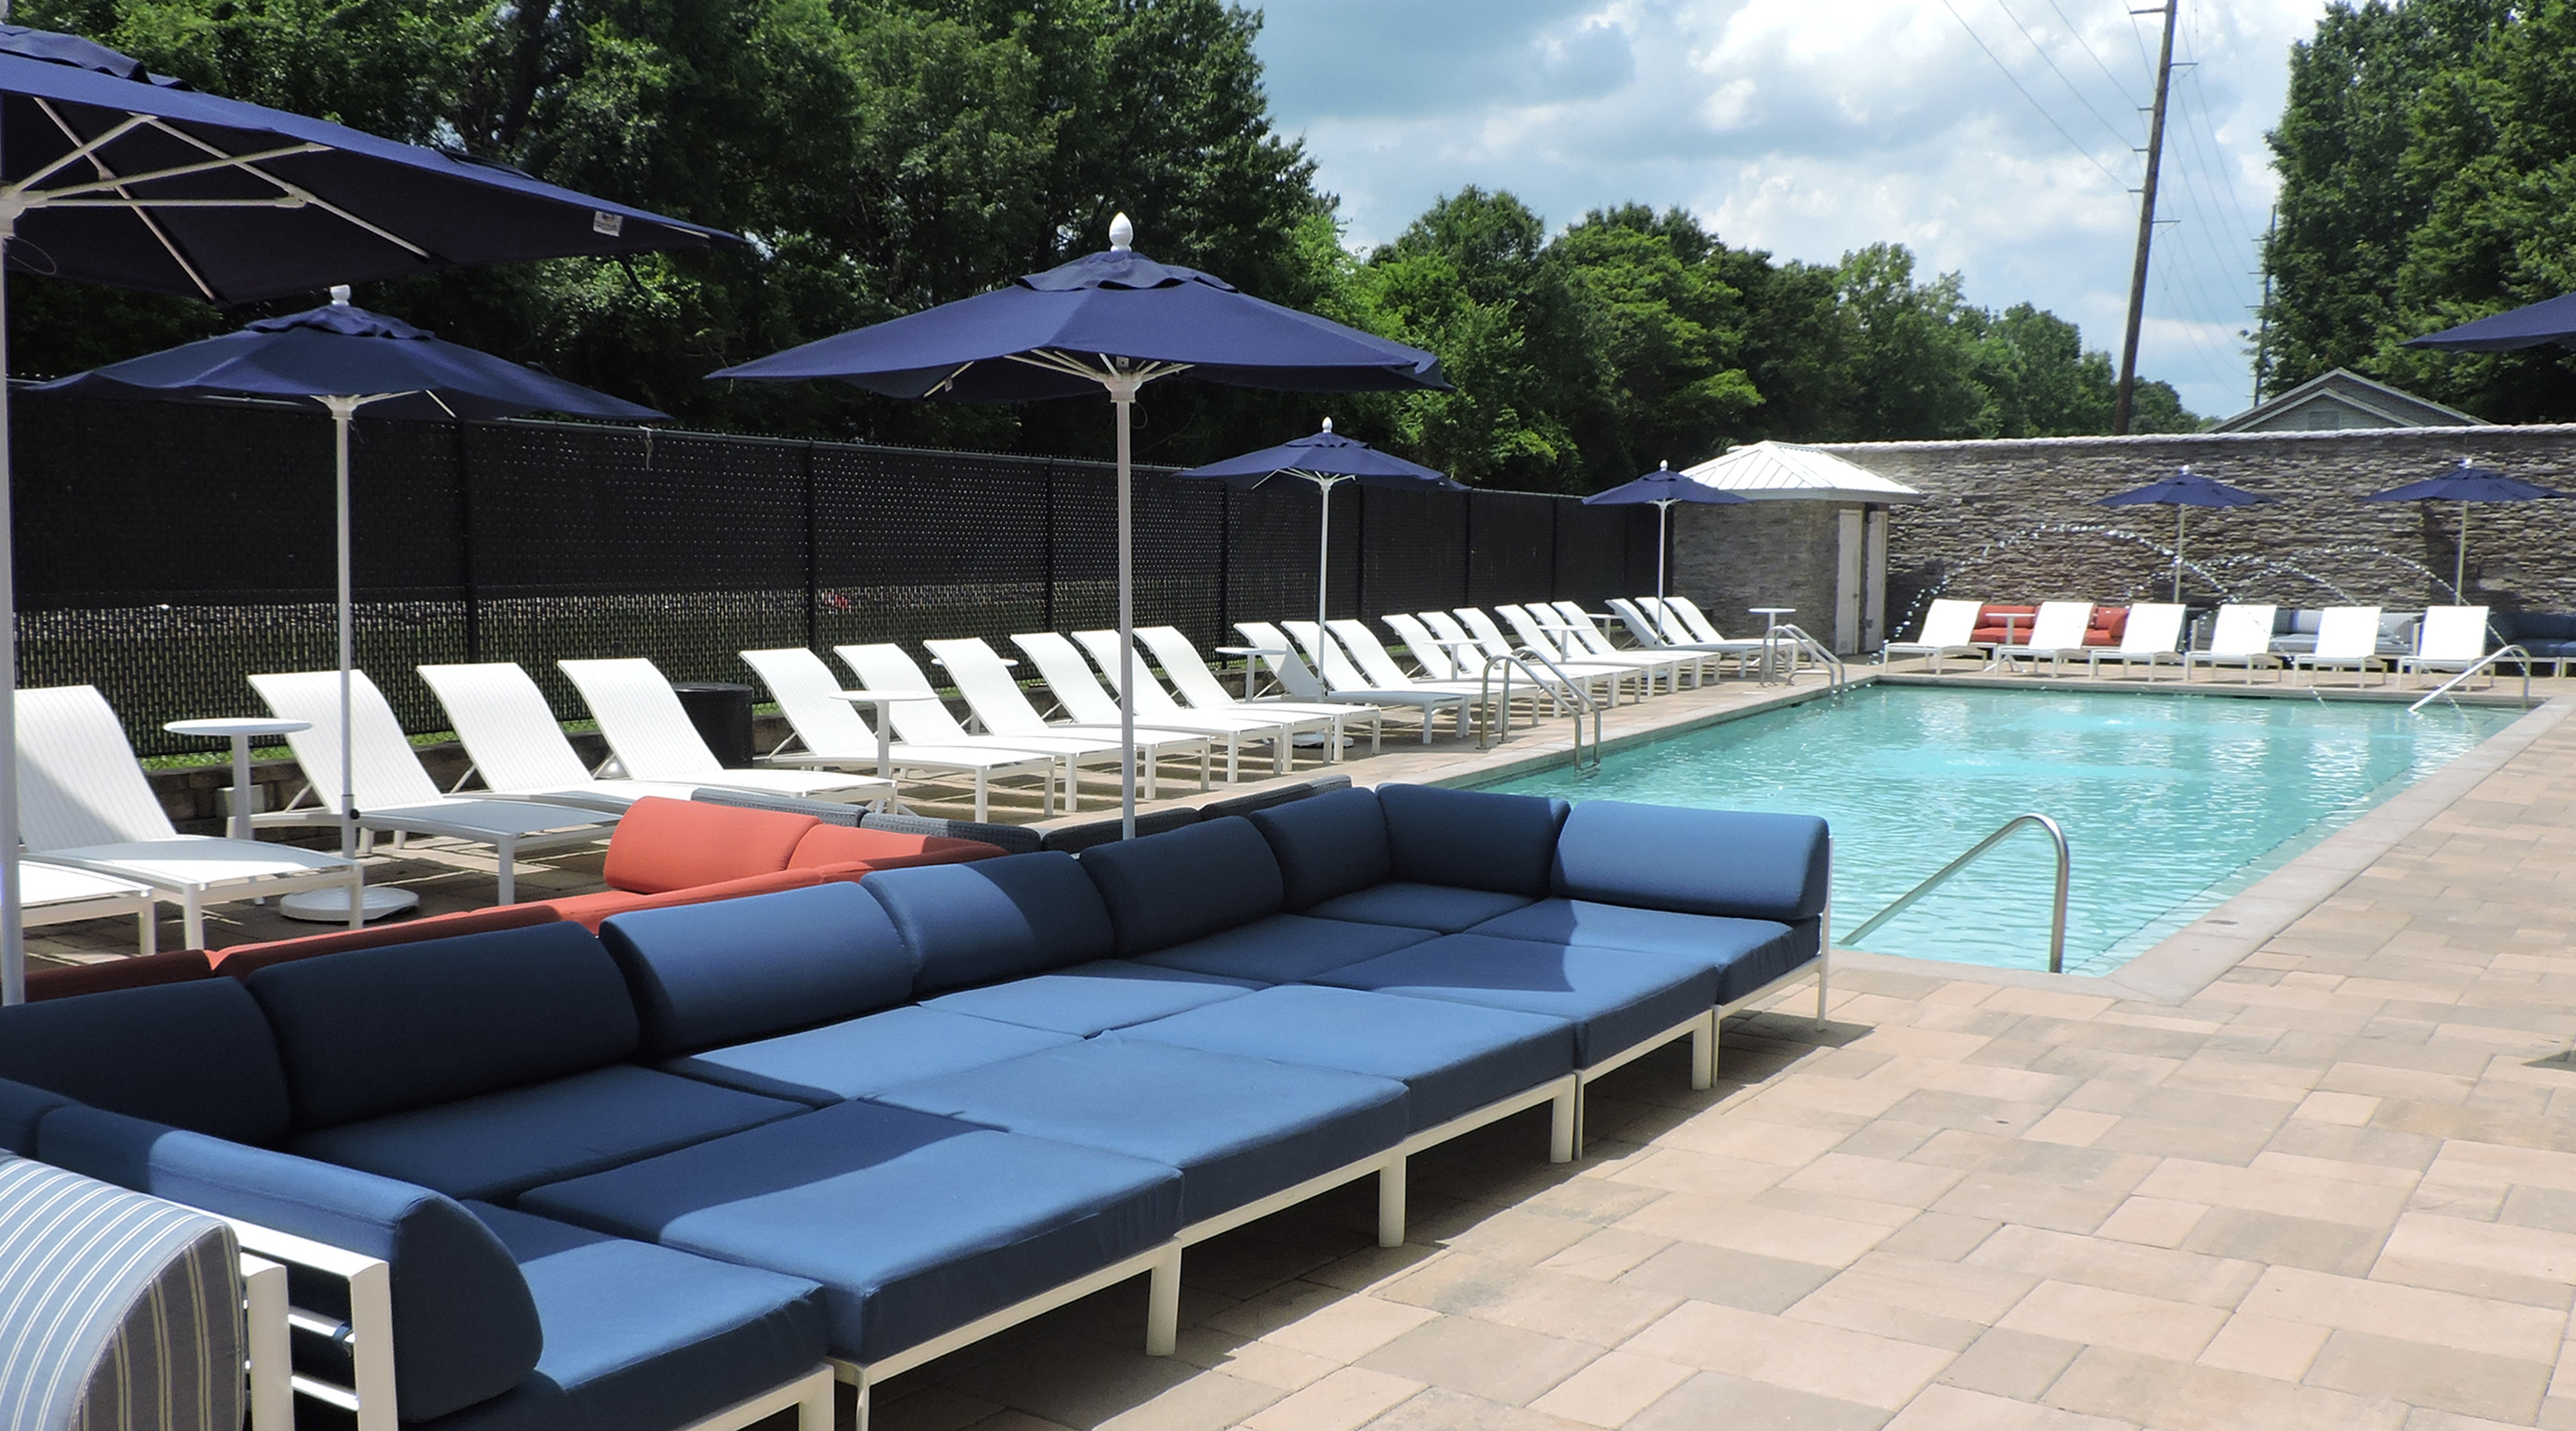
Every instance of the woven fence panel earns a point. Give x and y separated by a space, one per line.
1511 547
1417 551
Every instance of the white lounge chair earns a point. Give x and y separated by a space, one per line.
1947 628
394 795
994 695
1691 616
1302 682
882 665
837 737
2057 632
2153 633
649 731
2347 639
2242 636
1587 638
59 894
1197 685
1536 626
1472 621
84 801
2452 638
1081 696
519 750
1379 666
1333 661
1155 704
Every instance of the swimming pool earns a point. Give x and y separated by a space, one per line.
2171 803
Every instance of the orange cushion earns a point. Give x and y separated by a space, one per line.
170 966
587 910
885 849
243 960
663 845
858 869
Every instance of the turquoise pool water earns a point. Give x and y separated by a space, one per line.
2171 803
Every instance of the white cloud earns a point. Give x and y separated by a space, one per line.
1810 129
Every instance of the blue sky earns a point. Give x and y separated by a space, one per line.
1994 137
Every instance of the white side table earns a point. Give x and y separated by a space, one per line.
238 729
1770 639
885 702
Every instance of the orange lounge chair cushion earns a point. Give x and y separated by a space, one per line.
587 910
835 845
665 845
170 966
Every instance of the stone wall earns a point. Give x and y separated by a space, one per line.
1732 558
2016 521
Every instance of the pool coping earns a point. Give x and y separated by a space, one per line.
2178 967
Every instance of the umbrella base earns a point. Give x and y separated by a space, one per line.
331 906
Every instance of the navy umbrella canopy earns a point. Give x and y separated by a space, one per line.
2551 320
346 358
1328 460
2182 490
112 175
2465 484
1663 487
1111 322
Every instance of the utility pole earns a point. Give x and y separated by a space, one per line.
2120 408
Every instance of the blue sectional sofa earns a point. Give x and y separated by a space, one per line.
665 1176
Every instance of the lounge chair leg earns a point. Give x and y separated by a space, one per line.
860 1412
1824 976
814 1408
983 795
1390 1201
192 920
507 851
1560 1121
1704 1052
1163 1303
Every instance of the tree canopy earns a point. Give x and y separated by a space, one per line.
884 155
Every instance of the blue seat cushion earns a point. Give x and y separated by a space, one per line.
1184 884
1238 1128
21 1109
495 1145
197 1055
1474 839
1088 998
737 969
1327 845
1440 908
1285 948
368 1032
856 1057
1615 998
642 1336
1745 953
465 1325
1451 1058
1732 862
993 919
914 1225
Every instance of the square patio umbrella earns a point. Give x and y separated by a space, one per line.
2182 491
346 358
1328 460
2533 325
2465 484
1663 487
109 174
1109 322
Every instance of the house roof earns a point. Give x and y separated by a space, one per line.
1785 471
2343 399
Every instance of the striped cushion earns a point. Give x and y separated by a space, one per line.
118 1311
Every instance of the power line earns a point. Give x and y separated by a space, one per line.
2098 63
2016 83
2042 51
2244 220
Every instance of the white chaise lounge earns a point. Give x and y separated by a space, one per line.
645 725
837 737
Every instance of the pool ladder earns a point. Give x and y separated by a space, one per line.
2057 920
2442 692
1564 690
1799 644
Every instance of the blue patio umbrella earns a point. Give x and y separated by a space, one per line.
112 175
1663 487
2182 491
2465 484
346 358
2533 325
1328 460
1111 322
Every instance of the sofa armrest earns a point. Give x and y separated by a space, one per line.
1729 862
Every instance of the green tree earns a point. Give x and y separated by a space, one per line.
1671 330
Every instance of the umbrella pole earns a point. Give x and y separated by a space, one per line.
2180 511
1663 513
1122 395
13 949
2460 559
341 409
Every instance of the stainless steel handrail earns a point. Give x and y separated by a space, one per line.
2443 691
2057 923
1565 686
1822 654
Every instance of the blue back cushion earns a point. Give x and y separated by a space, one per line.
368 1032
1471 838
993 919
196 1055
465 1327
21 1109
1172 888
1327 846
1728 862
737 969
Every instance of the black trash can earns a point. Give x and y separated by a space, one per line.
722 713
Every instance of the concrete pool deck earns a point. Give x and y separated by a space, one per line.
2333 1186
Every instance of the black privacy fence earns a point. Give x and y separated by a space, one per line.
166 551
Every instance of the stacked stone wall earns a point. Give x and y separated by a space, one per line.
1732 558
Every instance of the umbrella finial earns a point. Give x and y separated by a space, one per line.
1122 234
1664 466
340 295
1328 424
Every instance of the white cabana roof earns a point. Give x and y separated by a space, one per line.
1784 471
